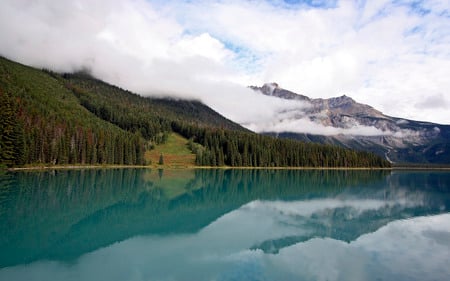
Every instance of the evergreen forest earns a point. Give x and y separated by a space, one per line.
72 118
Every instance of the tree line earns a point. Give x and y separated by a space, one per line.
44 123
233 148
56 119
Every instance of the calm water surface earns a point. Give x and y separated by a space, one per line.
139 224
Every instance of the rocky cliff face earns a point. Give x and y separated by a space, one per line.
363 127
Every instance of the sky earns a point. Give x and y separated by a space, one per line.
392 55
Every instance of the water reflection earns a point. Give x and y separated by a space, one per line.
223 225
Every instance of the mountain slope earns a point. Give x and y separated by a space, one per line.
49 118
50 126
106 100
359 126
57 119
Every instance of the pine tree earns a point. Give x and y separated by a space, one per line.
7 130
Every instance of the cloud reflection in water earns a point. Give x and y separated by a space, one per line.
227 249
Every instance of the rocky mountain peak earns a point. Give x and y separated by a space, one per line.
269 88
333 106
339 101
363 128
273 89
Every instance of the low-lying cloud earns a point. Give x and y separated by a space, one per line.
212 50
307 126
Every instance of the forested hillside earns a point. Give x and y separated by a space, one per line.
44 122
137 113
62 119
234 148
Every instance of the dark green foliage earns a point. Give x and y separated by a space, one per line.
42 122
75 119
149 116
233 148
11 131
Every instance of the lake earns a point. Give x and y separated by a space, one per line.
142 224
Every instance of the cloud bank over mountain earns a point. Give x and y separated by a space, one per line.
392 55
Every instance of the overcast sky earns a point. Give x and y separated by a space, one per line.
392 55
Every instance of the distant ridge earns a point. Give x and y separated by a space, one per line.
398 140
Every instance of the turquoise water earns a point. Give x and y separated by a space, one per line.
140 224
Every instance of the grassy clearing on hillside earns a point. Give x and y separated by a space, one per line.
175 153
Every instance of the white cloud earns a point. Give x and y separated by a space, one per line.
432 101
203 45
304 125
391 55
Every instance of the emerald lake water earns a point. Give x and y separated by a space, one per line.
141 224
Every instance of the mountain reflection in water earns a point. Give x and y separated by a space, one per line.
224 224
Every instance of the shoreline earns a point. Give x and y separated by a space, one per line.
169 167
